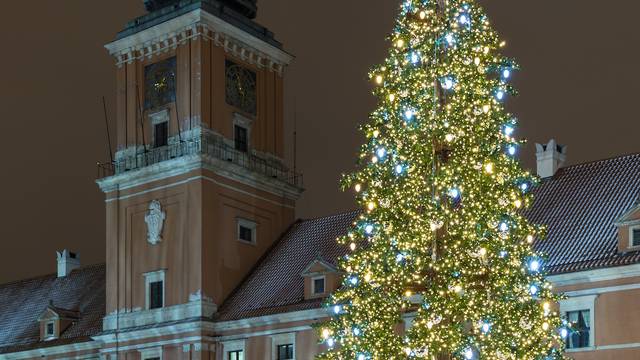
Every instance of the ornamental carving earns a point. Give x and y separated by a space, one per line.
155 222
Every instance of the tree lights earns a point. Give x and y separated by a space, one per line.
441 242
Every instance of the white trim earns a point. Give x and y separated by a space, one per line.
283 339
146 354
602 290
50 336
590 276
151 277
313 285
582 303
251 225
159 343
275 319
55 350
265 333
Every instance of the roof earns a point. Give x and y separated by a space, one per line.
81 294
579 205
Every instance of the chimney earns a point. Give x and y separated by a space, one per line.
550 158
67 262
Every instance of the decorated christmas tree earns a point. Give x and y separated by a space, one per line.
441 263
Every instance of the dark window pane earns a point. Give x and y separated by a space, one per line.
161 134
155 295
160 83
318 286
580 321
240 137
49 329
246 234
636 237
155 358
240 87
285 352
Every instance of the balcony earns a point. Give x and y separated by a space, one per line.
205 146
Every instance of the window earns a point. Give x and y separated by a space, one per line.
160 83
285 352
240 138
240 87
151 354
318 285
155 295
580 321
283 346
579 311
635 236
235 355
161 134
247 231
50 329
155 289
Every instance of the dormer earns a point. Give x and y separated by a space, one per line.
54 321
629 230
321 278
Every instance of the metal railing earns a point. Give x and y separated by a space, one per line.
200 146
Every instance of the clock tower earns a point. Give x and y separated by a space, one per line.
198 190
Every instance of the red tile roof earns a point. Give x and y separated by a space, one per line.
579 205
82 292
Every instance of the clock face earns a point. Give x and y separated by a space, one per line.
241 88
160 83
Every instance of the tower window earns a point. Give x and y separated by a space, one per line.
318 284
155 295
285 352
161 134
155 289
240 87
241 138
247 231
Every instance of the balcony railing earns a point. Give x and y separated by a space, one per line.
200 146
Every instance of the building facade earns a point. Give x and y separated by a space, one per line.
204 257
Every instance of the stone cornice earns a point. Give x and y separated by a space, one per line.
198 23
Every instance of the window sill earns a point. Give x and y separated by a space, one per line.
589 348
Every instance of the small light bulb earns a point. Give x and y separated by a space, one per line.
534 265
504 227
529 239
367 277
381 152
500 95
564 333
508 130
517 204
545 326
400 43
488 168
356 331
483 252
450 39
457 289
423 15
463 19
374 159
486 327
362 357
454 193
379 79
326 333
524 186
392 97
368 229
449 137
353 280
506 73
337 309
476 61
371 205
468 354
415 58
486 108
330 342
408 114
533 289
511 150
352 246
399 169
358 187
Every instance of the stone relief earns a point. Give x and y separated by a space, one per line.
155 222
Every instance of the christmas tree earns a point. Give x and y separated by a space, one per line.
441 263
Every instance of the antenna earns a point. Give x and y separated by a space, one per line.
144 142
106 123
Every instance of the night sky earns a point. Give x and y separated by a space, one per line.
579 84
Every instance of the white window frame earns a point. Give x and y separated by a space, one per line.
631 229
149 278
313 285
282 339
579 303
152 353
235 345
51 336
248 224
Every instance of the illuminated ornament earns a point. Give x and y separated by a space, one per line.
400 43
368 229
352 246
374 159
488 168
545 326
408 114
564 333
337 309
399 169
533 289
468 354
399 258
415 58
362 357
476 61
423 15
330 342
486 108
508 130
486 327
376 133
449 137
506 73
534 265
511 150
464 19
356 331
353 280
448 83
503 254
517 204
504 227
326 333
500 95
457 289
483 252
529 239
454 193
450 39
358 187
524 186
392 97
379 79
367 277
381 152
